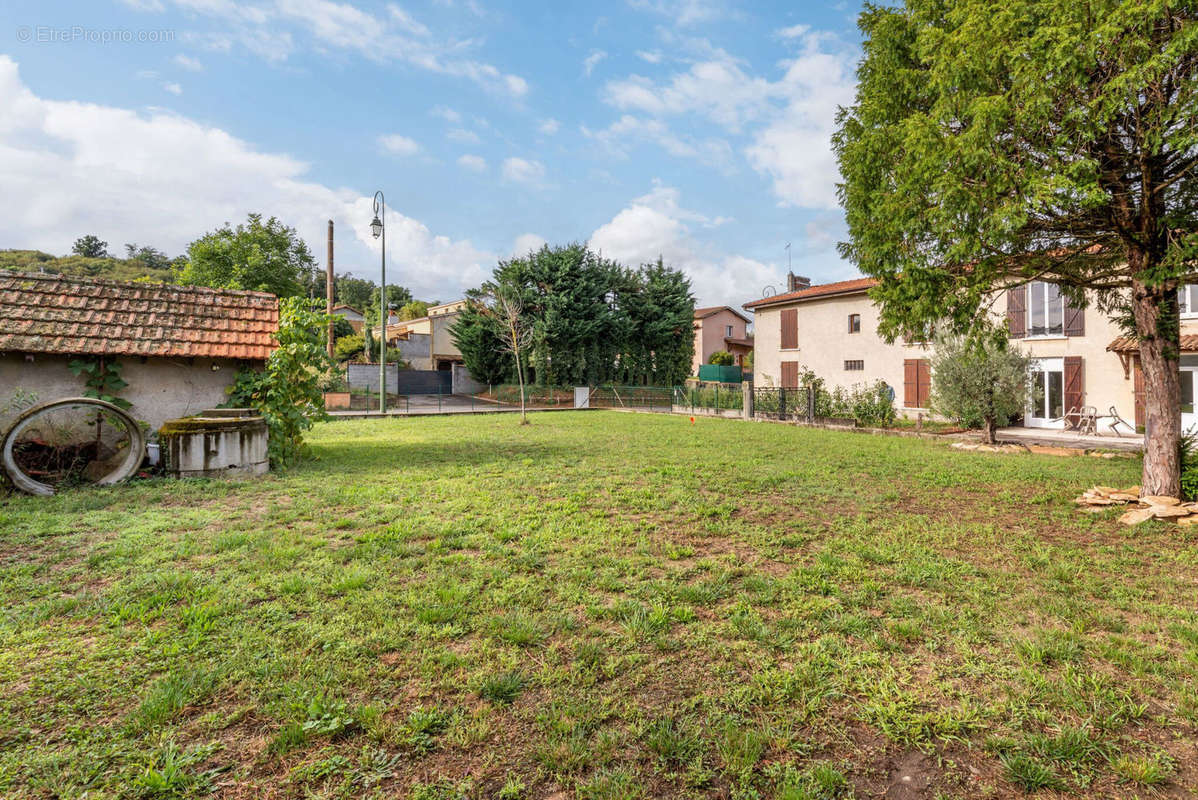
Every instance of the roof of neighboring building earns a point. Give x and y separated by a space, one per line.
85 316
446 308
746 342
346 307
855 286
1130 344
702 313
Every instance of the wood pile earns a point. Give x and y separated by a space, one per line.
1142 509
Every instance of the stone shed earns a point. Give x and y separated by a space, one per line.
178 347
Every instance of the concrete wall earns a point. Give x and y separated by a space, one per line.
414 350
709 335
366 376
442 344
464 383
159 388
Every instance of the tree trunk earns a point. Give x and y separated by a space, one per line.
520 374
989 429
1159 352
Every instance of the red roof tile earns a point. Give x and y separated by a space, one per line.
1130 344
85 316
819 290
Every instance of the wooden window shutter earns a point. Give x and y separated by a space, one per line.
790 328
911 383
923 382
1075 389
1075 319
790 374
1017 311
1138 391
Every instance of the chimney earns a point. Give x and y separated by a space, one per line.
796 282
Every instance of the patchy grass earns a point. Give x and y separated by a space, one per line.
600 605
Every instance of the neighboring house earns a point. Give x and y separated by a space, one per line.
1081 357
179 347
426 341
721 328
353 316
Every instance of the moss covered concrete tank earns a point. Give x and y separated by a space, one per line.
217 443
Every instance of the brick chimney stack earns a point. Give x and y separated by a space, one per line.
796 282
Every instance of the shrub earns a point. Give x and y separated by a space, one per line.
721 358
347 347
288 393
981 381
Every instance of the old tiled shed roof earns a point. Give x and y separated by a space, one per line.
83 316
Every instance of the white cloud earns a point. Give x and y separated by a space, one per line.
463 136
590 62
795 150
392 36
549 127
794 31
166 179
614 137
657 225
683 12
447 114
650 56
523 171
528 243
398 145
188 63
790 120
173 88
473 163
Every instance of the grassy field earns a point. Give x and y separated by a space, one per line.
604 606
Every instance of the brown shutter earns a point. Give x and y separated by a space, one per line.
790 328
790 374
1075 319
1138 391
1075 394
910 383
923 383
1017 311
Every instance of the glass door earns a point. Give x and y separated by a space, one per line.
1189 419
1048 394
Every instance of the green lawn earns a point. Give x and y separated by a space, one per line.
602 606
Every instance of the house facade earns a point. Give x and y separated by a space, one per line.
1080 357
355 318
426 342
179 347
721 328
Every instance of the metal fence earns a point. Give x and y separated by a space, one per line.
785 404
641 398
713 397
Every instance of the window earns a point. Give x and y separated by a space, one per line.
790 329
728 331
1045 309
1048 391
917 382
790 374
1187 300
854 323
1187 392
855 366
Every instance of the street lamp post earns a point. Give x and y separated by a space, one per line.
379 229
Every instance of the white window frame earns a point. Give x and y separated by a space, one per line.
1038 293
1040 367
728 331
1188 292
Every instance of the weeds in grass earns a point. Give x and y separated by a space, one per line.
818 782
1146 770
617 784
673 740
1028 773
502 687
739 747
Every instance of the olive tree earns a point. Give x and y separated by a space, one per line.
993 145
980 380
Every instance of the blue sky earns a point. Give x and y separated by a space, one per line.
696 129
